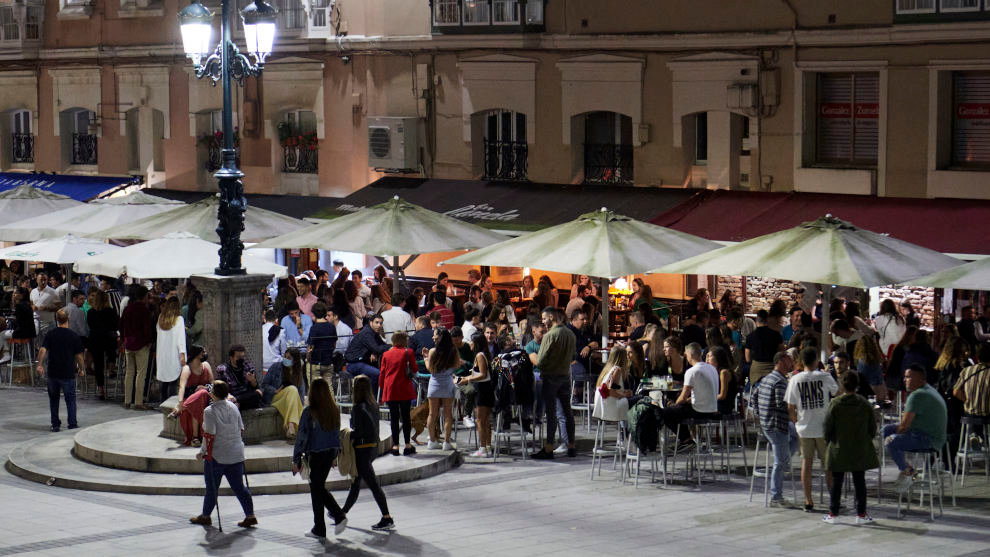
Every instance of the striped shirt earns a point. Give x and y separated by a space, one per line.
771 403
974 381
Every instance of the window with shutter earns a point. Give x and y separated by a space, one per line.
971 119
848 108
915 6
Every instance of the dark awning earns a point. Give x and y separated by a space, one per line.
951 226
513 205
80 188
295 206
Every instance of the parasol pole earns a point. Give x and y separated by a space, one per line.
603 290
826 302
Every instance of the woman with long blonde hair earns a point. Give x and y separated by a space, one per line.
616 378
170 354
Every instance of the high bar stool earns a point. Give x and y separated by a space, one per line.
731 432
658 462
603 449
932 478
971 425
702 440
22 346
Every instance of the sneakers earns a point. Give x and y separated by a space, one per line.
481 453
685 446
781 504
447 446
561 450
468 422
408 450
340 526
386 523
248 522
903 483
433 445
864 519
542 454
829 518
317 537
201 520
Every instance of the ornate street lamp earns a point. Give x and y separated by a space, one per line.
226 63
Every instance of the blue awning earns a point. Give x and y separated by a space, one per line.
80 188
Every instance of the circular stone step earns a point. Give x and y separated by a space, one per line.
49 459
134 444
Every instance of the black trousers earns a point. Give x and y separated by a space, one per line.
366 472
674 415
249 399
319 469
101 348
835 494
397 408
169 388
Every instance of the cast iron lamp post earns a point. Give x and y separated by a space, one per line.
226 63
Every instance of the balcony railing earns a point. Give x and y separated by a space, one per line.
487 16
608 163
300 159
83 148
214 158
506 160
22 147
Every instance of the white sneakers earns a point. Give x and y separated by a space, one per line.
862 519
468 422
447 446
903 483
829 518
433 445
482 452
560 450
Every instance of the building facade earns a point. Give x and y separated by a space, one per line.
888 98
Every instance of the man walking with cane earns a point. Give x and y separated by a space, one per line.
223 456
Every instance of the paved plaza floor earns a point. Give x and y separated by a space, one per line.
513 508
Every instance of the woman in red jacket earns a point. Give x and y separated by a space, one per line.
398 390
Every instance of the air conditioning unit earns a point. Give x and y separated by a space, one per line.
393 143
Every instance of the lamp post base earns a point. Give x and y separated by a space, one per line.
232 309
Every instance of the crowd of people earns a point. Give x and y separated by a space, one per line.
324 329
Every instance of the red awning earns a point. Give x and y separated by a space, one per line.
952 226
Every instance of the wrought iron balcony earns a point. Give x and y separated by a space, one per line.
300 159
608 163
22 147
84 148
506 160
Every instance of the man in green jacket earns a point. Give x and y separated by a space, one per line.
850 427
554 362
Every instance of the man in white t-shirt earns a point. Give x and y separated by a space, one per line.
698 399
808 394
344 333
394 318
44 302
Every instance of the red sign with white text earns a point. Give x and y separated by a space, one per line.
844 110
867 110
973 111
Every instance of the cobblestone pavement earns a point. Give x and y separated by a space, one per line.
513 508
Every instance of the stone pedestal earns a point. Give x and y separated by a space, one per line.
260 424
232 310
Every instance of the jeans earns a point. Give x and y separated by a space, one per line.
319 469
361 368
784 444
835 494
212 472
55 388
397 409
901 442
366 472
557 390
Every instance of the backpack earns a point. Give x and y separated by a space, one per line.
644 426
512 376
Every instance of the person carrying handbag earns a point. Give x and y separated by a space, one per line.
316 448
398 390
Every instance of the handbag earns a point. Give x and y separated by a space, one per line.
411 371
604 389
304 469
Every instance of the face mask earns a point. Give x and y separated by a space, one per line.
239 362
286 362
204 358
